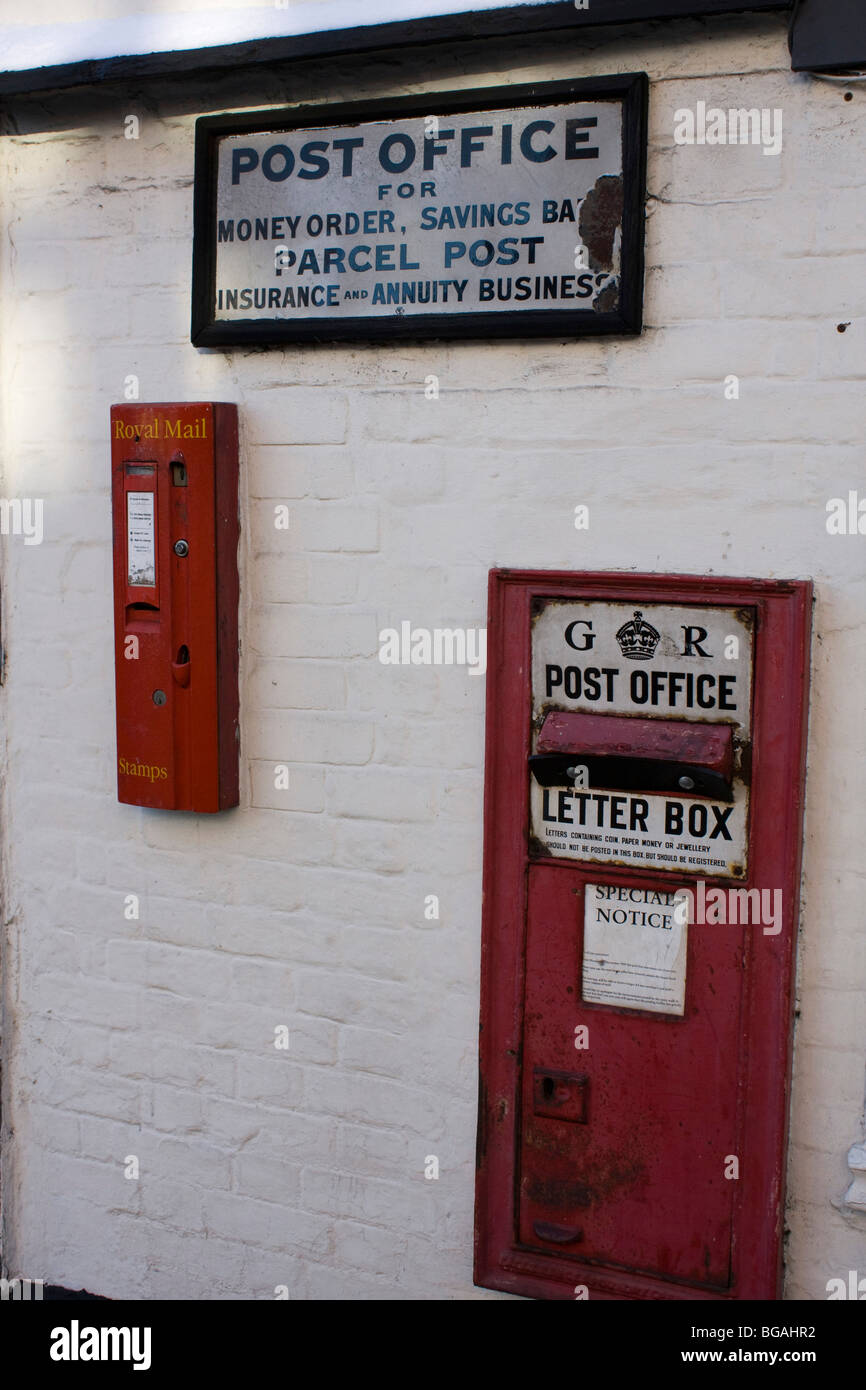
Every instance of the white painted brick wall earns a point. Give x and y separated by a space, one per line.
305 908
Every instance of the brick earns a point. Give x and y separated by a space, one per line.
102 1184
766 289
302 737
381 794
177 1111
365 1049
193 1160
112 1097
198 974
395 689
285 1134
249 1221
351 527
265 1271
298 415
62 1129
280 935
267 1178
281 471
272 1078
87 1001
348 998
305 790
174 1205
375 1101
287 684
281 576
267 984
382 1153
407 477
110 1141
369 1248
280 631
365 1199
382 954
333 579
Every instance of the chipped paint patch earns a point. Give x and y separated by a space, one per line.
600 225
600 222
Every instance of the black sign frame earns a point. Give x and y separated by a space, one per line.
629 89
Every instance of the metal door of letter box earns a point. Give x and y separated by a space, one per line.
645 770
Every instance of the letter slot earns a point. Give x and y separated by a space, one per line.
628 754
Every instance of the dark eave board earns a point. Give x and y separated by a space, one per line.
502 22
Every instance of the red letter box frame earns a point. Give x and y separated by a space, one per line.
780 715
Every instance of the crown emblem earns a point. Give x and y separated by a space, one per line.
637 638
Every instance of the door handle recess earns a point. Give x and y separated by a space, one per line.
180 669
559 1095
560 1235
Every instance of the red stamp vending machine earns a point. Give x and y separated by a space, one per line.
175 520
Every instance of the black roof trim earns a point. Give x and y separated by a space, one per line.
507 20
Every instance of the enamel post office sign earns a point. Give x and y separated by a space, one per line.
641 718
515 211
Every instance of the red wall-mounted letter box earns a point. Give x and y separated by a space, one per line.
645 771
175 520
